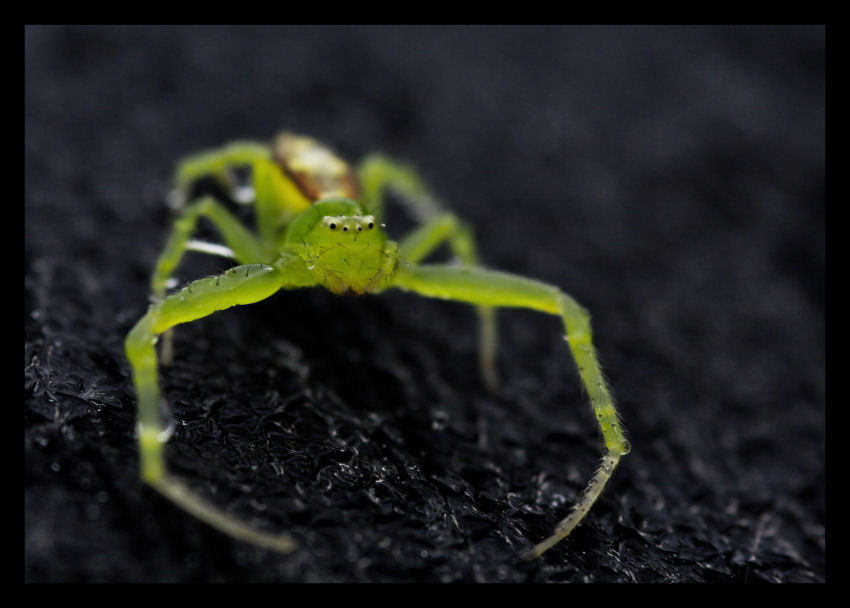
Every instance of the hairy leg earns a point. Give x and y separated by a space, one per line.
241 241
425 239
240 285
377 174
490 288
217 163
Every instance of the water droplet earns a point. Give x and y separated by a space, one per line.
243 195
166 433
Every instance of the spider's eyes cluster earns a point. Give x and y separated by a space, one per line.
346 223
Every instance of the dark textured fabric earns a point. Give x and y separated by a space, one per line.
671 179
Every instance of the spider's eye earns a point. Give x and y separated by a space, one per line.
332 226
371 225
345 228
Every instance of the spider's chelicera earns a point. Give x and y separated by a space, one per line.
317 222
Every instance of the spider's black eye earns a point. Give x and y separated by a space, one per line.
345 228
371 225
332 226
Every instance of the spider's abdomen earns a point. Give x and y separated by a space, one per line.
313 167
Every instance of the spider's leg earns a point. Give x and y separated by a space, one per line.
216 163
377 174
245 246
239 285
424 239
491 288
241 241
276 198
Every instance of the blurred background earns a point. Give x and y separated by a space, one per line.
671 179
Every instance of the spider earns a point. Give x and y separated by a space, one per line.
318 223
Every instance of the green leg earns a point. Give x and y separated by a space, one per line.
425 239
245 246
217 163
240 240
275 198
378 173
240 285
490 288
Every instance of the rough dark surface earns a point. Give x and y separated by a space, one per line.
671 179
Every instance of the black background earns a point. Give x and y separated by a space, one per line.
671 179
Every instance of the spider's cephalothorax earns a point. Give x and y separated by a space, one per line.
317 222
345 249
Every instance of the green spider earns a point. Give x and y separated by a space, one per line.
318 222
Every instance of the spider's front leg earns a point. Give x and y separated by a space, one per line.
242 243
220 164
245 246
377 174
239 285
494 289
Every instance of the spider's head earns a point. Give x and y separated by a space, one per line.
346 249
